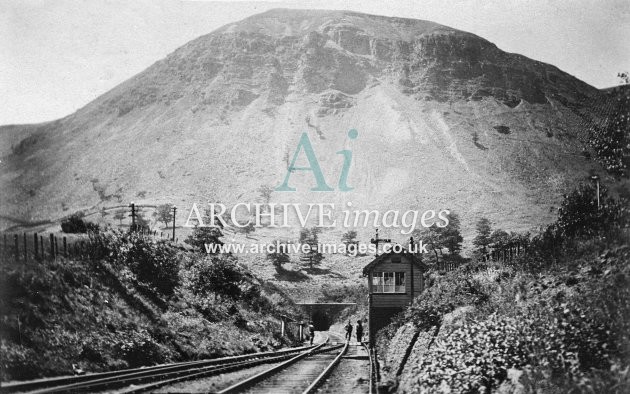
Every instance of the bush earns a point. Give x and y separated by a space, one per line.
454 290
477 356
202 236
565 329
579 214
154 262
610 140
75 224
279 256
218 275
18 362
139 349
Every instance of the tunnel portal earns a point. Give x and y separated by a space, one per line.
323 315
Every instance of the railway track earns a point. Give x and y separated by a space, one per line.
303 373
296 370
145 379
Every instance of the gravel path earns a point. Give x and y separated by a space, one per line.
214 383
351 374
295 378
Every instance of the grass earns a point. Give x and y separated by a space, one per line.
558 329
99 316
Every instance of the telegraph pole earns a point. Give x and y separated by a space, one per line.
133 216
596 179
377 241
174 211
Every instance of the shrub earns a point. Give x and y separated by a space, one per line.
202 236
502 129
477 356
482 240
18 362
75 224
139 349
349 239
454 290
154 262
580 215
218 275
279 256
610 140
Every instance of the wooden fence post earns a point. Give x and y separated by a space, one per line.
52 246
17 247
65 247
41 244
25 247
56 247
36 244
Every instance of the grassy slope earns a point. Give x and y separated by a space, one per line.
58 313
561 329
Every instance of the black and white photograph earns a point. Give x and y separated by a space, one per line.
317 196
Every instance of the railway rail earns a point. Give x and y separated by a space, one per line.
146 378
303 373
295 370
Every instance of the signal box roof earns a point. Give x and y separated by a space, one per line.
385 256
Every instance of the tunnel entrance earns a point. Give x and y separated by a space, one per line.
321 320
323 315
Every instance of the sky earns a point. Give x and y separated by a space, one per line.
57 55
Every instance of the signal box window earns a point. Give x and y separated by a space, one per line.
388 282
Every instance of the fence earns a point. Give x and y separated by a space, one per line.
446 266
39 246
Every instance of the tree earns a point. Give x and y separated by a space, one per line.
279 256
451 236
219 275
204 235
482 240
349 239
499 240
311 253
431 236
164 214
438 239
305 235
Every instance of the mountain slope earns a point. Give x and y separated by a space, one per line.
445 120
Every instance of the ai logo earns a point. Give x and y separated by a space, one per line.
322 186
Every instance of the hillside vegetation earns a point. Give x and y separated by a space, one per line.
145 302
555 320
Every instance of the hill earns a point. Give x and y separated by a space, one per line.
445 119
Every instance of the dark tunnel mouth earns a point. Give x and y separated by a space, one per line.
321 320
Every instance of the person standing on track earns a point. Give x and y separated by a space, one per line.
311 331
359 331
348 332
